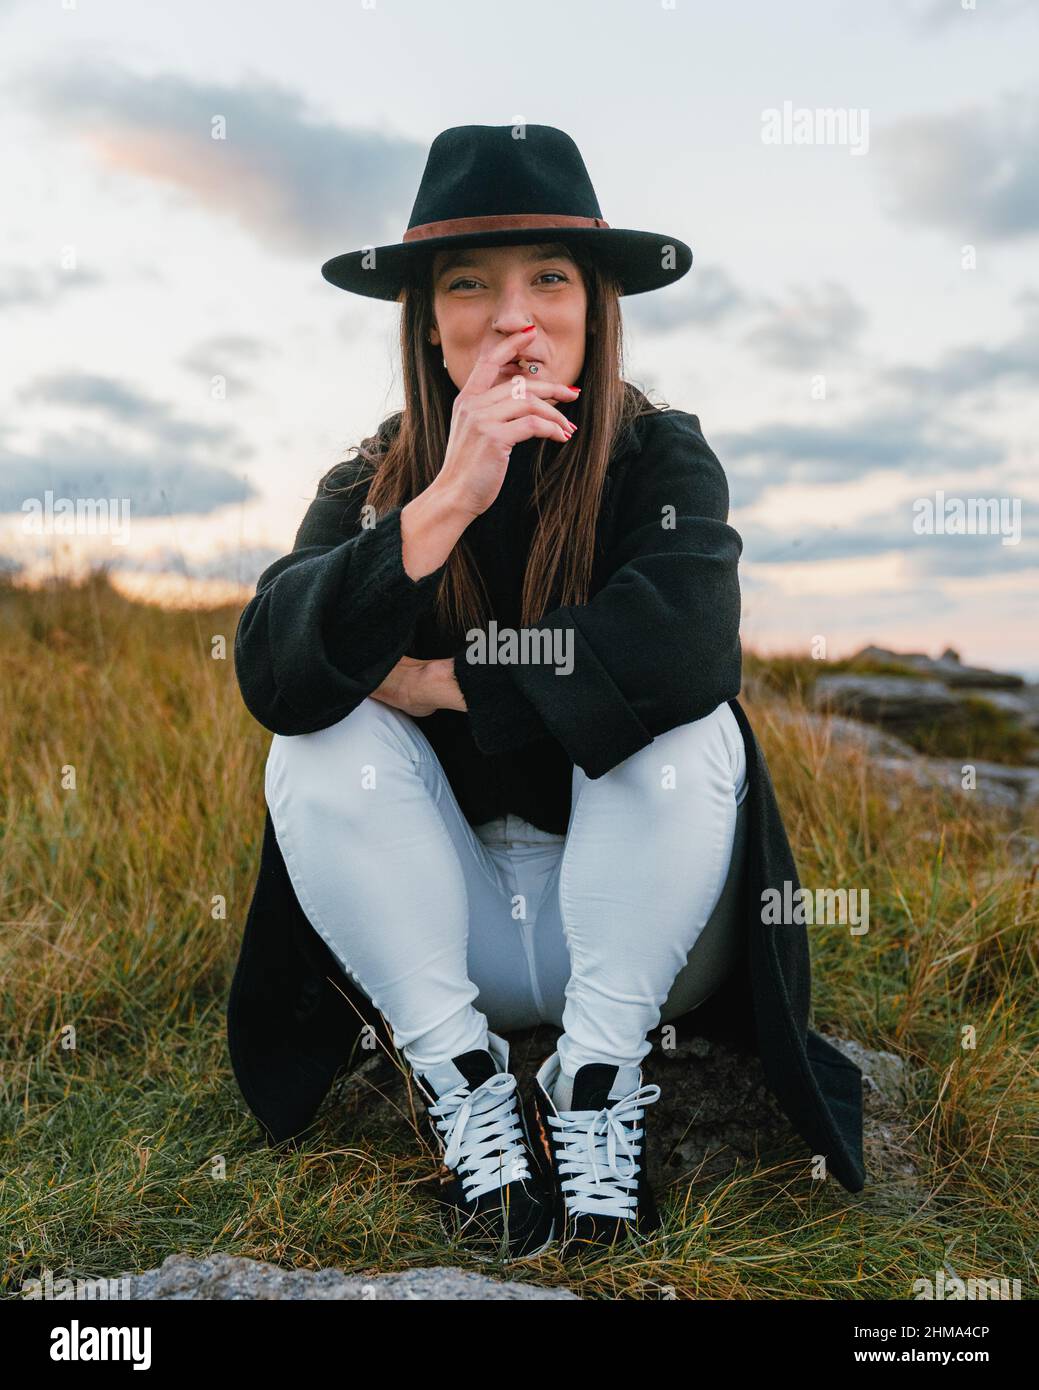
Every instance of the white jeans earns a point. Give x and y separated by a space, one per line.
626 921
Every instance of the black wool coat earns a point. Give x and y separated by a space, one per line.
656 645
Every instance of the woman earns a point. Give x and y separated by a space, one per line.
509 783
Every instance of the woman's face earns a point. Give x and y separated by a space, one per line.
482 295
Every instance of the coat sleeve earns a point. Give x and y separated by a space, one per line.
657 646
331 619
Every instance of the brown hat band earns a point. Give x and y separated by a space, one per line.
507 222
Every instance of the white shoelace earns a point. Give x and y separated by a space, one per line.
482 1134
587 1144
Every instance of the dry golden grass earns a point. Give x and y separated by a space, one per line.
135 1142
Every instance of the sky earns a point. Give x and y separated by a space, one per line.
858 335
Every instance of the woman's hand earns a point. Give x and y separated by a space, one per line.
421 687
489 416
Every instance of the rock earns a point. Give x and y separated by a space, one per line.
996 784
947 667
894 1168
999 785
1021 705
899 701
716 1113
883 1073
865 738
871 740
1022 781
883 656
233 1277
1010 694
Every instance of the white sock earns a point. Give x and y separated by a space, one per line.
563 1091
627 1080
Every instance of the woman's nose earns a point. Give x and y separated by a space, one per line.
511 313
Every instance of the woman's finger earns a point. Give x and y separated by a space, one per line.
488 366
544 390
512 432
507 407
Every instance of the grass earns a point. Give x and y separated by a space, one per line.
124 1137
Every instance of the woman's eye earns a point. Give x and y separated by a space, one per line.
465 281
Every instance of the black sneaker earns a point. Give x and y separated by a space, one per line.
499 1203
594 1142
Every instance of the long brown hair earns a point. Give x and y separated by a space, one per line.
567 481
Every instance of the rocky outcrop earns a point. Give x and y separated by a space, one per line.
866 737
716 1113
947 668
943 698
918 689
897 702
233 1277
1022 705
997 785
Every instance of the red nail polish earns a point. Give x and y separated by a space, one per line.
529 328
574 388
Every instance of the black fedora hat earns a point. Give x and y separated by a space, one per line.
507 185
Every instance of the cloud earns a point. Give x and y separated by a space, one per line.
880 612
934 556
902 437
701 298
84 465
974 172
763 545
810 327
140 451
298 184
802 330
124 404
221 355
22 285
963 370
940 14
952 556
